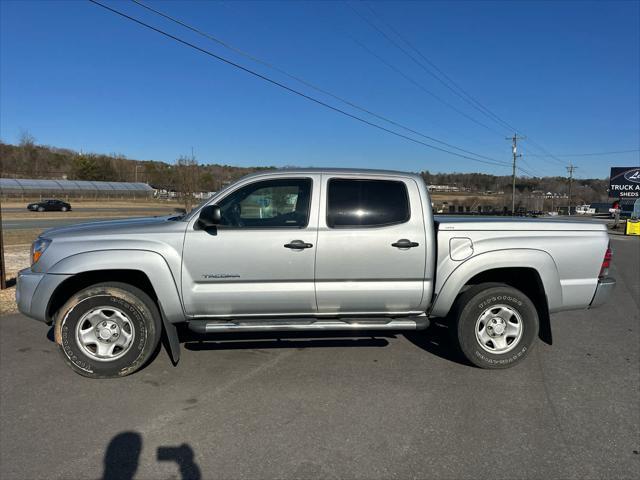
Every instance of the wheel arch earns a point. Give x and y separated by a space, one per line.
151 274
532 271
79 281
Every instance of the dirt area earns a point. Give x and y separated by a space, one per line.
85 215
19 237
468 199
16 258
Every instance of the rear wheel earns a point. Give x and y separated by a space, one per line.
496 325
108 330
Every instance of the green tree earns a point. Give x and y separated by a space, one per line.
84 167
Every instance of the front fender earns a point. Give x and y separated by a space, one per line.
152 264
538 260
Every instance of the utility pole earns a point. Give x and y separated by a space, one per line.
570 169
514 149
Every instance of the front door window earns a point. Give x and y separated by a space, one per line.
268 204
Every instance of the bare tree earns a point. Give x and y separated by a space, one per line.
187 179
29 158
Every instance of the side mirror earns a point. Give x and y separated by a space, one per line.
209 216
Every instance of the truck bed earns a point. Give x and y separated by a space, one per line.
451 222
566 254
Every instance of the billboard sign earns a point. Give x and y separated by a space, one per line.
624 182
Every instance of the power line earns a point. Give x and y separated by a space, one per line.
591 154
449 81
306 82
287 88
475 103
547 154
407 77
530 166
529 171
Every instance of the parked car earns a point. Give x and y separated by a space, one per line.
49 206
310 250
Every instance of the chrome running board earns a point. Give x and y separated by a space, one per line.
306 324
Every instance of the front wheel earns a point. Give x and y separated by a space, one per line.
64 209
496 325
108 330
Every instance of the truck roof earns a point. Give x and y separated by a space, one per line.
335 171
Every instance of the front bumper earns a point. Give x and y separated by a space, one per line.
34 291
26 285
603 291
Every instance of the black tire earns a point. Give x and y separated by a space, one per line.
64 209
478 300
143 319
41 209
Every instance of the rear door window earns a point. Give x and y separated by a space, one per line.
366 203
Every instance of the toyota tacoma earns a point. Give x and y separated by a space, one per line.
310 250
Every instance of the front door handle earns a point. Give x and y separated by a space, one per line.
404 243
298 245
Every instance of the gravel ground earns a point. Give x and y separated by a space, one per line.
16 258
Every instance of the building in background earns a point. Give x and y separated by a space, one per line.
24 188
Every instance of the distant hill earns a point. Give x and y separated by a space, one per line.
29 160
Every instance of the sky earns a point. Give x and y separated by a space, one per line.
564 74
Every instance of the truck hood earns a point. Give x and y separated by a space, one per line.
114 227
445 223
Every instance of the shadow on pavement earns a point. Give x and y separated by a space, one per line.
122 458
434 340
239 341
437 340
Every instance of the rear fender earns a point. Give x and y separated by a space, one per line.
538 260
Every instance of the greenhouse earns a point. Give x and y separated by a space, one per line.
36 188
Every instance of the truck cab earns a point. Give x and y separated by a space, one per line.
313 244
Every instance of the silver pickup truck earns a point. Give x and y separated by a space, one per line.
309 250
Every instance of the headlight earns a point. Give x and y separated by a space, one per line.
38 248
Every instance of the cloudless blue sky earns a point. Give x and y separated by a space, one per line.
567 74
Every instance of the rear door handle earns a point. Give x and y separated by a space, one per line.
404 243
298 245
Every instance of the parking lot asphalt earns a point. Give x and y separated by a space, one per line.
298 406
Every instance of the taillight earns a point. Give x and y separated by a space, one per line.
606 263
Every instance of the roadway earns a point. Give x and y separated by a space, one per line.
22 219
298 406
43 223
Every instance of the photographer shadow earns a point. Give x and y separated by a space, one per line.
122 458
